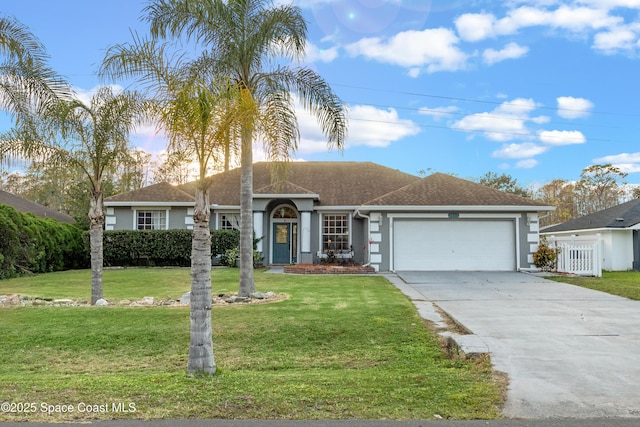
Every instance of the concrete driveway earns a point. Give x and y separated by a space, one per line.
568 351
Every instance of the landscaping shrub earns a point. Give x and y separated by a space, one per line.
545 257
31 244
160 247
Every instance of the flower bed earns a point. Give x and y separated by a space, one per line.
328 269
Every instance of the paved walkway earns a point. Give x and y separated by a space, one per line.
569 351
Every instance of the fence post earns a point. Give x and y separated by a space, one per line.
597 264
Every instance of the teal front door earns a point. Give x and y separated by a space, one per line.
281 243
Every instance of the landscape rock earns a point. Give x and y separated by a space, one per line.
259 295
147 301
12 300
102 303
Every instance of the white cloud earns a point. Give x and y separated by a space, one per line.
314 53
619 38
570 18
438 112
506 122
527 164
597 17
473 27
561 137
626 162
619 158
85 95
510 51
519 151
368 126
541 119
573 108
435 49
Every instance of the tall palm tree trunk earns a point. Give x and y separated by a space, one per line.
201 358
96 224
247 285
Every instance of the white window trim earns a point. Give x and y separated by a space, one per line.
144 209
321 231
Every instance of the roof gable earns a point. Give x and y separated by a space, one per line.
27 206
622 216
283 188
162 192
441 189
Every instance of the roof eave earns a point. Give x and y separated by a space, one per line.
287 196
119 203
456 208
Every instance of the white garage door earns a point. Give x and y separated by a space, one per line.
454 245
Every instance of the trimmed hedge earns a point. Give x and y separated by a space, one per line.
160 247
31 244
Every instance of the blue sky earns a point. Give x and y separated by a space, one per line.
538 89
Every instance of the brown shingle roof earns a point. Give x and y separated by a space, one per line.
337 183
23 205
283 188
162 192
445 190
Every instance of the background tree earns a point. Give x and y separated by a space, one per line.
244 40
599 188
91 137
503 182
561 194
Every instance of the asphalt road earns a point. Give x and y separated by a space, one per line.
605 422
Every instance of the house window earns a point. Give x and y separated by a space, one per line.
229 222
152 220
335 233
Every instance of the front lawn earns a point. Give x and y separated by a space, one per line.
338 347
623 283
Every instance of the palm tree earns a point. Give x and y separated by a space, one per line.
195 114
243 39
27 84
91 137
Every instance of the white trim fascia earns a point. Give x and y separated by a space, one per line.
456 208
586 230
345 209
462 216
225 207
287 196
147 204
591 230
155 208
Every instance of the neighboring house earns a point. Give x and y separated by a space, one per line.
377 215
618 229
26 206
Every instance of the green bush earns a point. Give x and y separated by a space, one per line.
160 247
31 244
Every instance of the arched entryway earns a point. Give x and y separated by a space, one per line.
284 234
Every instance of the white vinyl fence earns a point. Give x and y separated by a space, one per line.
578 256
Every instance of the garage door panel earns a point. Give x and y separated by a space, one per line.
454 245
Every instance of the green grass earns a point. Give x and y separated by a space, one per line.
129 283
338 347
623 283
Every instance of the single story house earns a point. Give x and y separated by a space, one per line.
376 215
27 206
617 228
